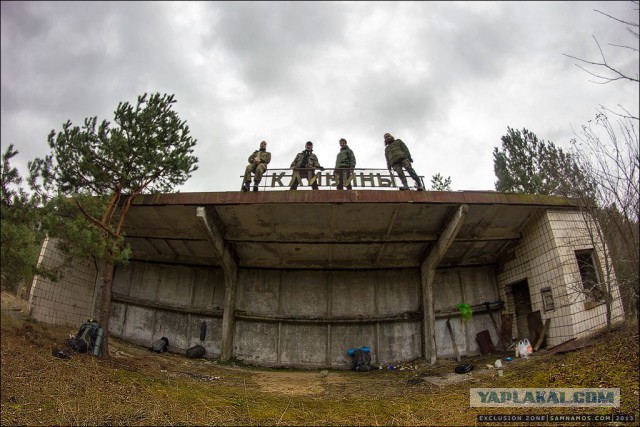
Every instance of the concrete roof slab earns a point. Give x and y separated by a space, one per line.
331 229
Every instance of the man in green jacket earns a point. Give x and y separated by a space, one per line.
258 162
398 157
345 163
304 167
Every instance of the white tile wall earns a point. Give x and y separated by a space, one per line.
546 258
69 300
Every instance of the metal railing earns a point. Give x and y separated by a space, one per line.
358 178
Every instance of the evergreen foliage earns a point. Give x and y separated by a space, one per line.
440 183
526 164
89 180
21 235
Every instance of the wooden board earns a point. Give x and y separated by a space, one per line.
543 335
506 329
453 341
485 343
534 321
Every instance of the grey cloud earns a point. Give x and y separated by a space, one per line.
274 44
446 77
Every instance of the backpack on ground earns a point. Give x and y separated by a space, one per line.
85 339
361 361
196 352
161 345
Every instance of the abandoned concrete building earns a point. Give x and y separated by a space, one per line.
296 278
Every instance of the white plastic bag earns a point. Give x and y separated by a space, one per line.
524 348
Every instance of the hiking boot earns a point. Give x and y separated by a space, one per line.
403 188
255 188
245 186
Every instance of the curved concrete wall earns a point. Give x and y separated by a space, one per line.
298 318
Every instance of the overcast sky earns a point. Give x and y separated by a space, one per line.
447 78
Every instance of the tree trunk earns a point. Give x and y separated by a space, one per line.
107 279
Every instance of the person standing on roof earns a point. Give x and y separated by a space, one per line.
258 162
345 163
399 158
304 166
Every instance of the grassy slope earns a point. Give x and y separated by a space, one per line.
149 389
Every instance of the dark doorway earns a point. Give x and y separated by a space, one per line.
522 303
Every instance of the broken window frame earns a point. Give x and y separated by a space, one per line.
547 299
590 274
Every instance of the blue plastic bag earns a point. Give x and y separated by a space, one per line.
364 348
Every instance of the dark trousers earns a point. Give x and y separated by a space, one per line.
343 175
309 176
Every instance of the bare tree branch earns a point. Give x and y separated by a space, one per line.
620 75
616 72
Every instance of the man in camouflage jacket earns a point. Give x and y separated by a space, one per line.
304 167
258 162
399 158
345 163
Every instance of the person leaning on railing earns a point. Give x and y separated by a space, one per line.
345 163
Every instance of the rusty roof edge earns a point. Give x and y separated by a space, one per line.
353 196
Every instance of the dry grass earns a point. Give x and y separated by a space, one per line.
136 387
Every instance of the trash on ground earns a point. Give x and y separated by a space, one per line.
196 352
524 348
463 368
61 354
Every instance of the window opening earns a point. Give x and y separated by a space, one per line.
589 274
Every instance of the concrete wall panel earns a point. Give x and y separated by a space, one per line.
256 342
124 277
209 288
174 326
302 345
399 342
146 287
397 291
304 294
447 292
352 293
479 285
139 325
176 286
116 321
258 291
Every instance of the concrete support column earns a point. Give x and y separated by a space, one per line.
212 225
427 274
228 317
